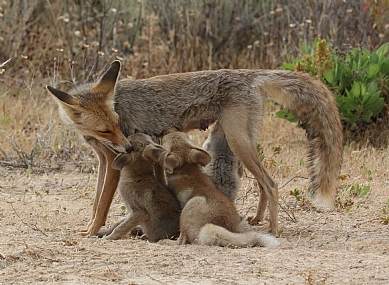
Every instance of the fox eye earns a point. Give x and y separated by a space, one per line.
105 132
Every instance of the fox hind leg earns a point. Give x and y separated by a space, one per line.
240 136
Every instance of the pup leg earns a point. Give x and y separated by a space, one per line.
244 227
136 231
182 239
125 226
105 232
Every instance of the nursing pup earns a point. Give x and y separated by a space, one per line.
150 204
208 217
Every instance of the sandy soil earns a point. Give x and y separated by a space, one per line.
41 214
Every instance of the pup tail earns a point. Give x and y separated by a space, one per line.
313 103
211 234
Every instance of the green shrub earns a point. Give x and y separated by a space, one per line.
359 80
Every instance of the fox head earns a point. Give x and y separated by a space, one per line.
89 109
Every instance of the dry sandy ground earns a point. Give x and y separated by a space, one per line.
40 214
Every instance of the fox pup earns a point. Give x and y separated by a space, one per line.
107 111
208 217
150 204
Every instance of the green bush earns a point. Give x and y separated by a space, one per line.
359 80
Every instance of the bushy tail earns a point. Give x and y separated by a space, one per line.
313 103
211 234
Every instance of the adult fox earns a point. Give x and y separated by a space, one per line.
107 111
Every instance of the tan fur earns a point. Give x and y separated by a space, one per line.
208 217
192 100
150 204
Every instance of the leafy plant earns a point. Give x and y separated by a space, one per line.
301 198
357 80
385 210
358 190
352 191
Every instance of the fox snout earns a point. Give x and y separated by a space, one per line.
129 149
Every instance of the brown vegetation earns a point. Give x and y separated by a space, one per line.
68 42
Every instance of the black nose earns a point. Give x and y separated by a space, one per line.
130 149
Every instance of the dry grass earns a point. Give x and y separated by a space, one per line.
63 43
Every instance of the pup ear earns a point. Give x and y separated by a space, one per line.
121 160
154 152
170 163
63 96
107 82
170 130
199 156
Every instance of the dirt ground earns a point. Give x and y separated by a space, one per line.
41 214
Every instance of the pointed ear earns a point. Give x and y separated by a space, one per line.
63 96
154 152
171 162
199 156
107 82
170 130
121 160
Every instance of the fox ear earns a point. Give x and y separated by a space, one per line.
171 162
63 96
121 160
154 152
107 82
199 156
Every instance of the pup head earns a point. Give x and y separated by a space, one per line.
89 109
144 147
147 147
181 150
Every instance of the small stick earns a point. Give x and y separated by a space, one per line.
34 227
